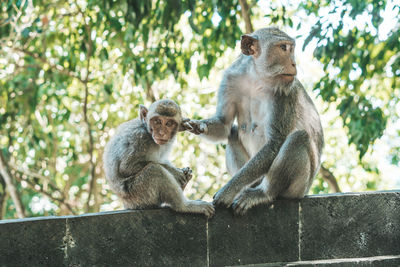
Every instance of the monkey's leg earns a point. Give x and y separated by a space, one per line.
236 155
168 191
140 190
182 176
288 176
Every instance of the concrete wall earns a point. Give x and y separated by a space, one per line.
325 230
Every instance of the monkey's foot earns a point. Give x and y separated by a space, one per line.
224 197
188 173
249 198
205 208
185 178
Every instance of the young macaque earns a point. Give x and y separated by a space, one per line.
136 161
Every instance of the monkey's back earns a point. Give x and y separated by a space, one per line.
129 144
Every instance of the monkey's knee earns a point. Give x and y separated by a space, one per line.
143 189
289 175
299 138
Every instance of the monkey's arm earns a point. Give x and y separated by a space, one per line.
134 155
218 127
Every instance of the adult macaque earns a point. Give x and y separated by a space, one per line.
275 148
136 161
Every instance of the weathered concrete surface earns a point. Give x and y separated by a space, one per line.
138 238
326 230
32 242
381 261
350 226
125 238
265 234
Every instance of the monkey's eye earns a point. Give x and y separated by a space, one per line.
157 121
170 123
283 47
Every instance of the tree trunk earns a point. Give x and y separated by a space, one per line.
2 195
246 16
329 178
12 189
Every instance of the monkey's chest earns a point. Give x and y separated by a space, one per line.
253 125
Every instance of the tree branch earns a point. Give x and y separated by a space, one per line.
55 67
36 175
92 178
245 11
46 193
11 187
150 94
328 176
63 202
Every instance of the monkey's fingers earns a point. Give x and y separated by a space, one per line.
185 170
187 126
240 206
209 210
187 178
224 197
218 202
196 127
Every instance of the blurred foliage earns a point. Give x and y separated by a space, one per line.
72 71
365 81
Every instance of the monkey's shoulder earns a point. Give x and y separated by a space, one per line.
133 135
239 68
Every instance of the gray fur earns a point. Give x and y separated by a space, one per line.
139 172
275 148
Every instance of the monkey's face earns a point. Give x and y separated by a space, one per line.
163 129
277 60
273 54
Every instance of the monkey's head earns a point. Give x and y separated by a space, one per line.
163 120
273 54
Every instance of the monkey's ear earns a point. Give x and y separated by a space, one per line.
143 112
249 45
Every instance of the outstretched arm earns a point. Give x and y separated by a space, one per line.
217 128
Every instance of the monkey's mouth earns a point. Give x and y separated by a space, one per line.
288 76
160 141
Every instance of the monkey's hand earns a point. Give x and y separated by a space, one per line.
187 175
225 196
197 127
185 126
